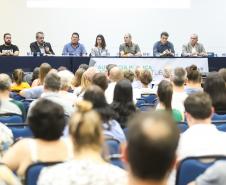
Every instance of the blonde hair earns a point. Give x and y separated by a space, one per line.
85 127
43 71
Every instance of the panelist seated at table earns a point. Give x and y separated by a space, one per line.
128 48
163 48
193 48
74 47
40 46
8 49
100 47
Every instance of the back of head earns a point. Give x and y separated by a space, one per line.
52 82
123 92
116 74
167 72
109 67
18 76
84 66
193 74
66 78
85 127
165 92
222 72
87 77
129 75
100 80
198 105
138 71
47 120
78 77
152 143
145 77
35 73
5 82
43 71
178 76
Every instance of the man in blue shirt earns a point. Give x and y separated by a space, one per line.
74 47
163 48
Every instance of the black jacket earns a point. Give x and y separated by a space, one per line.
35 49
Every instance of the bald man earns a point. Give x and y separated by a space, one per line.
116 74
193 48
128 48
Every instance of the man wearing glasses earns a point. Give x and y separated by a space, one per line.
193 48
40 47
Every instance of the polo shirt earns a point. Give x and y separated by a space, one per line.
79 50
133 48
160 48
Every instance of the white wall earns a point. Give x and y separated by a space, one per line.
205 17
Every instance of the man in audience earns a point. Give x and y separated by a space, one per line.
40 46
7 105
8 49
193 48
163 48
129 48
151 150
202 137
108 69
74 47
129 75
116 74
178 79
52 86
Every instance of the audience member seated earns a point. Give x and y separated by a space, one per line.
193 84
215 87
6 139
178 79
108 69
167 73
123 102
7 177
129 75
43 71
86 81
18 81
136 82
214 175
100 80
66 78
8 49
146 79
111 127
222 72
9 106
77 79
88 166
83 66
116 74
51 92
151 150
47 122
165 92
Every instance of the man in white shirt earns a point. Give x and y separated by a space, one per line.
115 75
178 79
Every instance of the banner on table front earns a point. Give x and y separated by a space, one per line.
156 65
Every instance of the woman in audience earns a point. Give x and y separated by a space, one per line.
215 87
88 166
165 92
100 47
123 102
111 127
43 70
35 74
129 75
77 79
100 80
47 122
18 81
194 78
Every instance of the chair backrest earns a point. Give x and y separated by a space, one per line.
20 131
33 171
11 119
218 117
125 130
146 107
220 124
183 126
190 168
150 98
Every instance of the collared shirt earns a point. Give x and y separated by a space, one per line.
129 48
99 52
160 48
79 50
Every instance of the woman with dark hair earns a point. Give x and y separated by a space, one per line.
215 87
47 125
100 47
123 102
165 92
111 127
194 78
